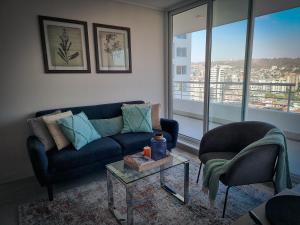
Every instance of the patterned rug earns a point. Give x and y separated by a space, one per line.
87 205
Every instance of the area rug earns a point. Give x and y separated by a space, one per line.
87 205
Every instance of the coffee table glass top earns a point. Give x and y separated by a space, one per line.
127 175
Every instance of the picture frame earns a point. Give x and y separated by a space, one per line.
112 49
65 45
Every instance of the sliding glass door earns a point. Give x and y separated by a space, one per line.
229 32
188 69
222 102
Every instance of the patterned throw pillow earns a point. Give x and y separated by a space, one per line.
78 130
40 130
136 118
60 140
108 127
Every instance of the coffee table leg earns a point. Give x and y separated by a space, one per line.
111 206
162 176
110 191
129 204
185 198
186 182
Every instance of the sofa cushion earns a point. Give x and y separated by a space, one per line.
216 155
68 157
134 142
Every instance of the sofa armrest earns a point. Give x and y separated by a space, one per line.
38 158
170 126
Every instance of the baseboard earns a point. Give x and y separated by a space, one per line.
187 148
15 178
189 144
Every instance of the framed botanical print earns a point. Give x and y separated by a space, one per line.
112 49
65 45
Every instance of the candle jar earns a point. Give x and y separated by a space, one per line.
147 151
158 147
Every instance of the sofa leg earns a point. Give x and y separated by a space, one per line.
50 192
199 172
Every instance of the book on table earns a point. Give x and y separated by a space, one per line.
141 163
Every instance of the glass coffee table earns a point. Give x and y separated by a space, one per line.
128 177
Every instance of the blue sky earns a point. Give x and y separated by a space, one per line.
275 35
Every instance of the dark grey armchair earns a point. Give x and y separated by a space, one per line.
226 141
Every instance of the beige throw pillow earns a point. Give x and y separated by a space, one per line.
59 138
155 116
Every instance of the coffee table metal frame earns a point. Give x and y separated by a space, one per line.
128 183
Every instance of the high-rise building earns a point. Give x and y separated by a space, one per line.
182 57
182 64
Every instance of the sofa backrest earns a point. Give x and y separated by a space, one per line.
102 111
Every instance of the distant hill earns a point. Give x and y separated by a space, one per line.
288 63
283 64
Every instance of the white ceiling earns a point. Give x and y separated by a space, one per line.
154 4
260 5
225 11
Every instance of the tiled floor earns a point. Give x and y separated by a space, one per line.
26 190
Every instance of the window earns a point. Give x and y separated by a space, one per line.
181 36
275 69
181 52
272 74
180 70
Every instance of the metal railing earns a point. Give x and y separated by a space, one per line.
277 96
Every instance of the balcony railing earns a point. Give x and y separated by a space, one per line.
277 96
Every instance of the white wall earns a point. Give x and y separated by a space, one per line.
25 88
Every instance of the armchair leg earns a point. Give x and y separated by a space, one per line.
50 192
225 202
199 172
275 189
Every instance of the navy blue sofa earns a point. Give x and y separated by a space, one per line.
53 166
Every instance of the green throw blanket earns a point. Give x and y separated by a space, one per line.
216 167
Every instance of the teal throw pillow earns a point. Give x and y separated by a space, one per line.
78 130
108 127
136 118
